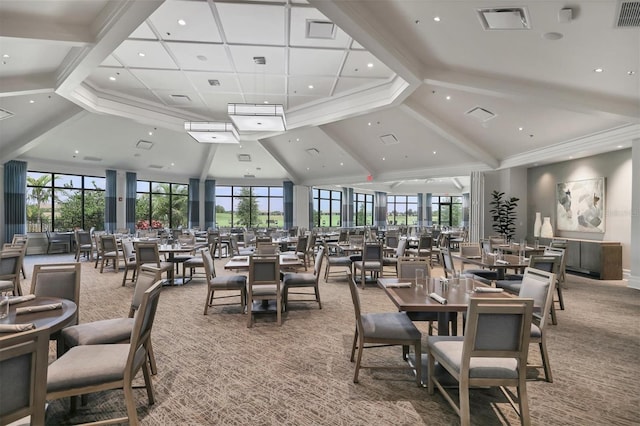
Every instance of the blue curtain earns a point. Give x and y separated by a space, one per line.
466 201
287 188
311 222
428 201
15 199
421 209
347 207
194 202
130 212
210 204
380 209
110 201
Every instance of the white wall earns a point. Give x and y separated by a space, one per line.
513 182
2 208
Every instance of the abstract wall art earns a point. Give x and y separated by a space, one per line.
580 205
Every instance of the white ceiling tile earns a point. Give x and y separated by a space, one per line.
200 56
315 61
200 80
252 23
30 57
321 85
110 61
357 63
243 59
163 79
298 31
357 46
217 103
199 22
179 99
143 32
124 80
262 84
155 55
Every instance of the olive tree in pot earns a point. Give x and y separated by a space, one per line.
503 213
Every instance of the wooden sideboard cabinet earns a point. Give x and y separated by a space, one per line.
600 259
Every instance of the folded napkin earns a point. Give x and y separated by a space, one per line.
444 279
397 285
240 259
489 290
15 328
502 262
20 299
31 309
438 298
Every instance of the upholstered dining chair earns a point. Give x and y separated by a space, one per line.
10 267
84 245
382 329
425 244
492 353
560 277
147 255
23 372
224 283
116 330
109 252
264 284
91 368
301 249
129 259
55 239
301 280
371 262
398 253
338 259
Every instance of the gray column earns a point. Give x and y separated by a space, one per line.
428 200
634 274
466 200
476 216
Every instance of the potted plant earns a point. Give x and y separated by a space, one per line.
503 213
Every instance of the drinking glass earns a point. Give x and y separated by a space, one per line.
469 285
419 277
4 306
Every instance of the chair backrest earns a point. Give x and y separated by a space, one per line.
318 262
497 328
186 240
356 240
209 265
548 263
57 280
342 237
147 253
142 330
301 245
233 242
108 243
425 242
355 297
372 252
145 279
311 242
10 264
391 241
562 254
407 267
447 263
562 244
539 286
470 249
264 270
267 248
83 238
263 239
128 251
19 239
401 248
23 371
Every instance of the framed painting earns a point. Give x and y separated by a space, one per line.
580 205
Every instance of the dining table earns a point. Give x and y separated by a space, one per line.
498 263
171 250
53 320
287 261
515 249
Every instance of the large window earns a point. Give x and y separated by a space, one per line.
327 207
402 210
363 206
161 205
446 211
250 206
64 202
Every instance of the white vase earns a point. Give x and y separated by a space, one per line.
546 231
536 225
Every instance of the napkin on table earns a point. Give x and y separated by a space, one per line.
15 328
31 309
397 285
20 299
489 290
502 262
438 298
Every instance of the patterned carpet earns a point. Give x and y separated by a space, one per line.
214 370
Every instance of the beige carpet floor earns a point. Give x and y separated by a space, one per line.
213 370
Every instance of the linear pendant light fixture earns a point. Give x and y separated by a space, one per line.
257 117
212 132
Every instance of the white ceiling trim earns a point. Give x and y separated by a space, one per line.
44 30
27 85
421 114
432 172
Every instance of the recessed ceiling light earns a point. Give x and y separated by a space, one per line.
173 164
297 139
201 58
112 78
307 168
76 151
619 146
571 157
436 18
150 133
383 158
631 72
342 164
435 152
31 101
141 54
310 86
266 102
5 56
240 146
448 98
598 70
521 128
182 22
369 124
370 65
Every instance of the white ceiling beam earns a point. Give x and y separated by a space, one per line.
280 160
208 161
432 172
456 183
28 84
44 30
539 93
420 113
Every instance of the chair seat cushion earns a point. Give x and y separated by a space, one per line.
510 285
90 365
536 333
6 285
117 330
194 262
389 325
229 282
298 280
370 264
339 260
449 348
390 261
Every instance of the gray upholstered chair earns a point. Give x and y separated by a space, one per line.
371 262
383 329
337 259
129 258
301 280
56 239
84 245
492 352
58 280
400 248
224 283
91 368
560 277
10 266
425 244
301 249
116 330
109 251
147 255
23 369
548 263
539 286
264 284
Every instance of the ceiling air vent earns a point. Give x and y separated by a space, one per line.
480 114
313 152
154 166
628 15
146 145
249 176
90 158
214 82
389 139
513 18
244 157
321 29
5 114
260 60
180 99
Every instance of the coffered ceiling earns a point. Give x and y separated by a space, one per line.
393 95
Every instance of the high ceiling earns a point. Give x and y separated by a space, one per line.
98 76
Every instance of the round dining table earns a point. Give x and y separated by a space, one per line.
54 320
